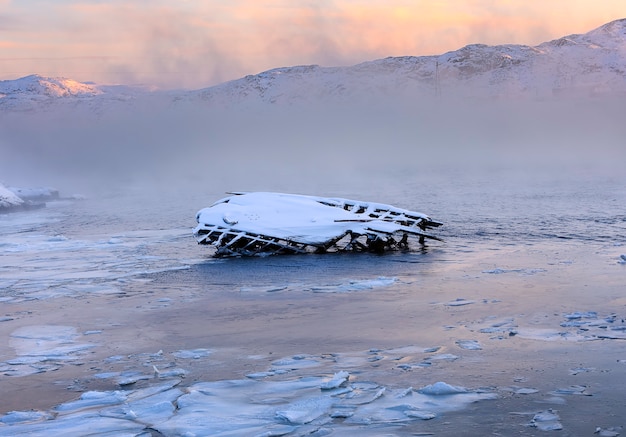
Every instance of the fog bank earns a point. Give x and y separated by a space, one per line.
191 145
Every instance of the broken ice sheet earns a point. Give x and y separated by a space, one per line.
14 417
572 390
192 353
338 379
296 362
294 406
612 431
526 391
441 388
47 342
306 410
395 406
131 377
42 348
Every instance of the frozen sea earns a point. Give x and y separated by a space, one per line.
115 322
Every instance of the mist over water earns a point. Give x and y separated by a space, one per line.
490 170
319 148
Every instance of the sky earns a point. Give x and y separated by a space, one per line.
199 43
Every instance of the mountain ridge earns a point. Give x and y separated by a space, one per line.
589 64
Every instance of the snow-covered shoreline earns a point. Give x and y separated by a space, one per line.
9 200
14 199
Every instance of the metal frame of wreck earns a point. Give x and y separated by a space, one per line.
231 242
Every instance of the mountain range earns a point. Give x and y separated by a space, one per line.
590 64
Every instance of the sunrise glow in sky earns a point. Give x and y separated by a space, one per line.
198 43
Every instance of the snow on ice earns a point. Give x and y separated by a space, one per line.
252 406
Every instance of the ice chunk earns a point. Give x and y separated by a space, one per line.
149 409
526 391
43 348
305 410
129 378
338 380
296 362
93 398
472 345
546 421
442 357
193 353
581 315
420 414
14 417
612 431
441 389
572 390
76 425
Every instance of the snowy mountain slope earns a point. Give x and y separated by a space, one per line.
40 92
36 85
588 64
35 89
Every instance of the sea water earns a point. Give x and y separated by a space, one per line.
499 228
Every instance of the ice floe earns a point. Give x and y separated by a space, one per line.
575 326
244 407
339 379
546 421
572 390
43 348
441 389
612 431
472 345
296 396
41 266
526 391
193 353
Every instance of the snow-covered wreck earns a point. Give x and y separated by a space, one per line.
264 223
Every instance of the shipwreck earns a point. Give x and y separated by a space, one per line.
261 223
